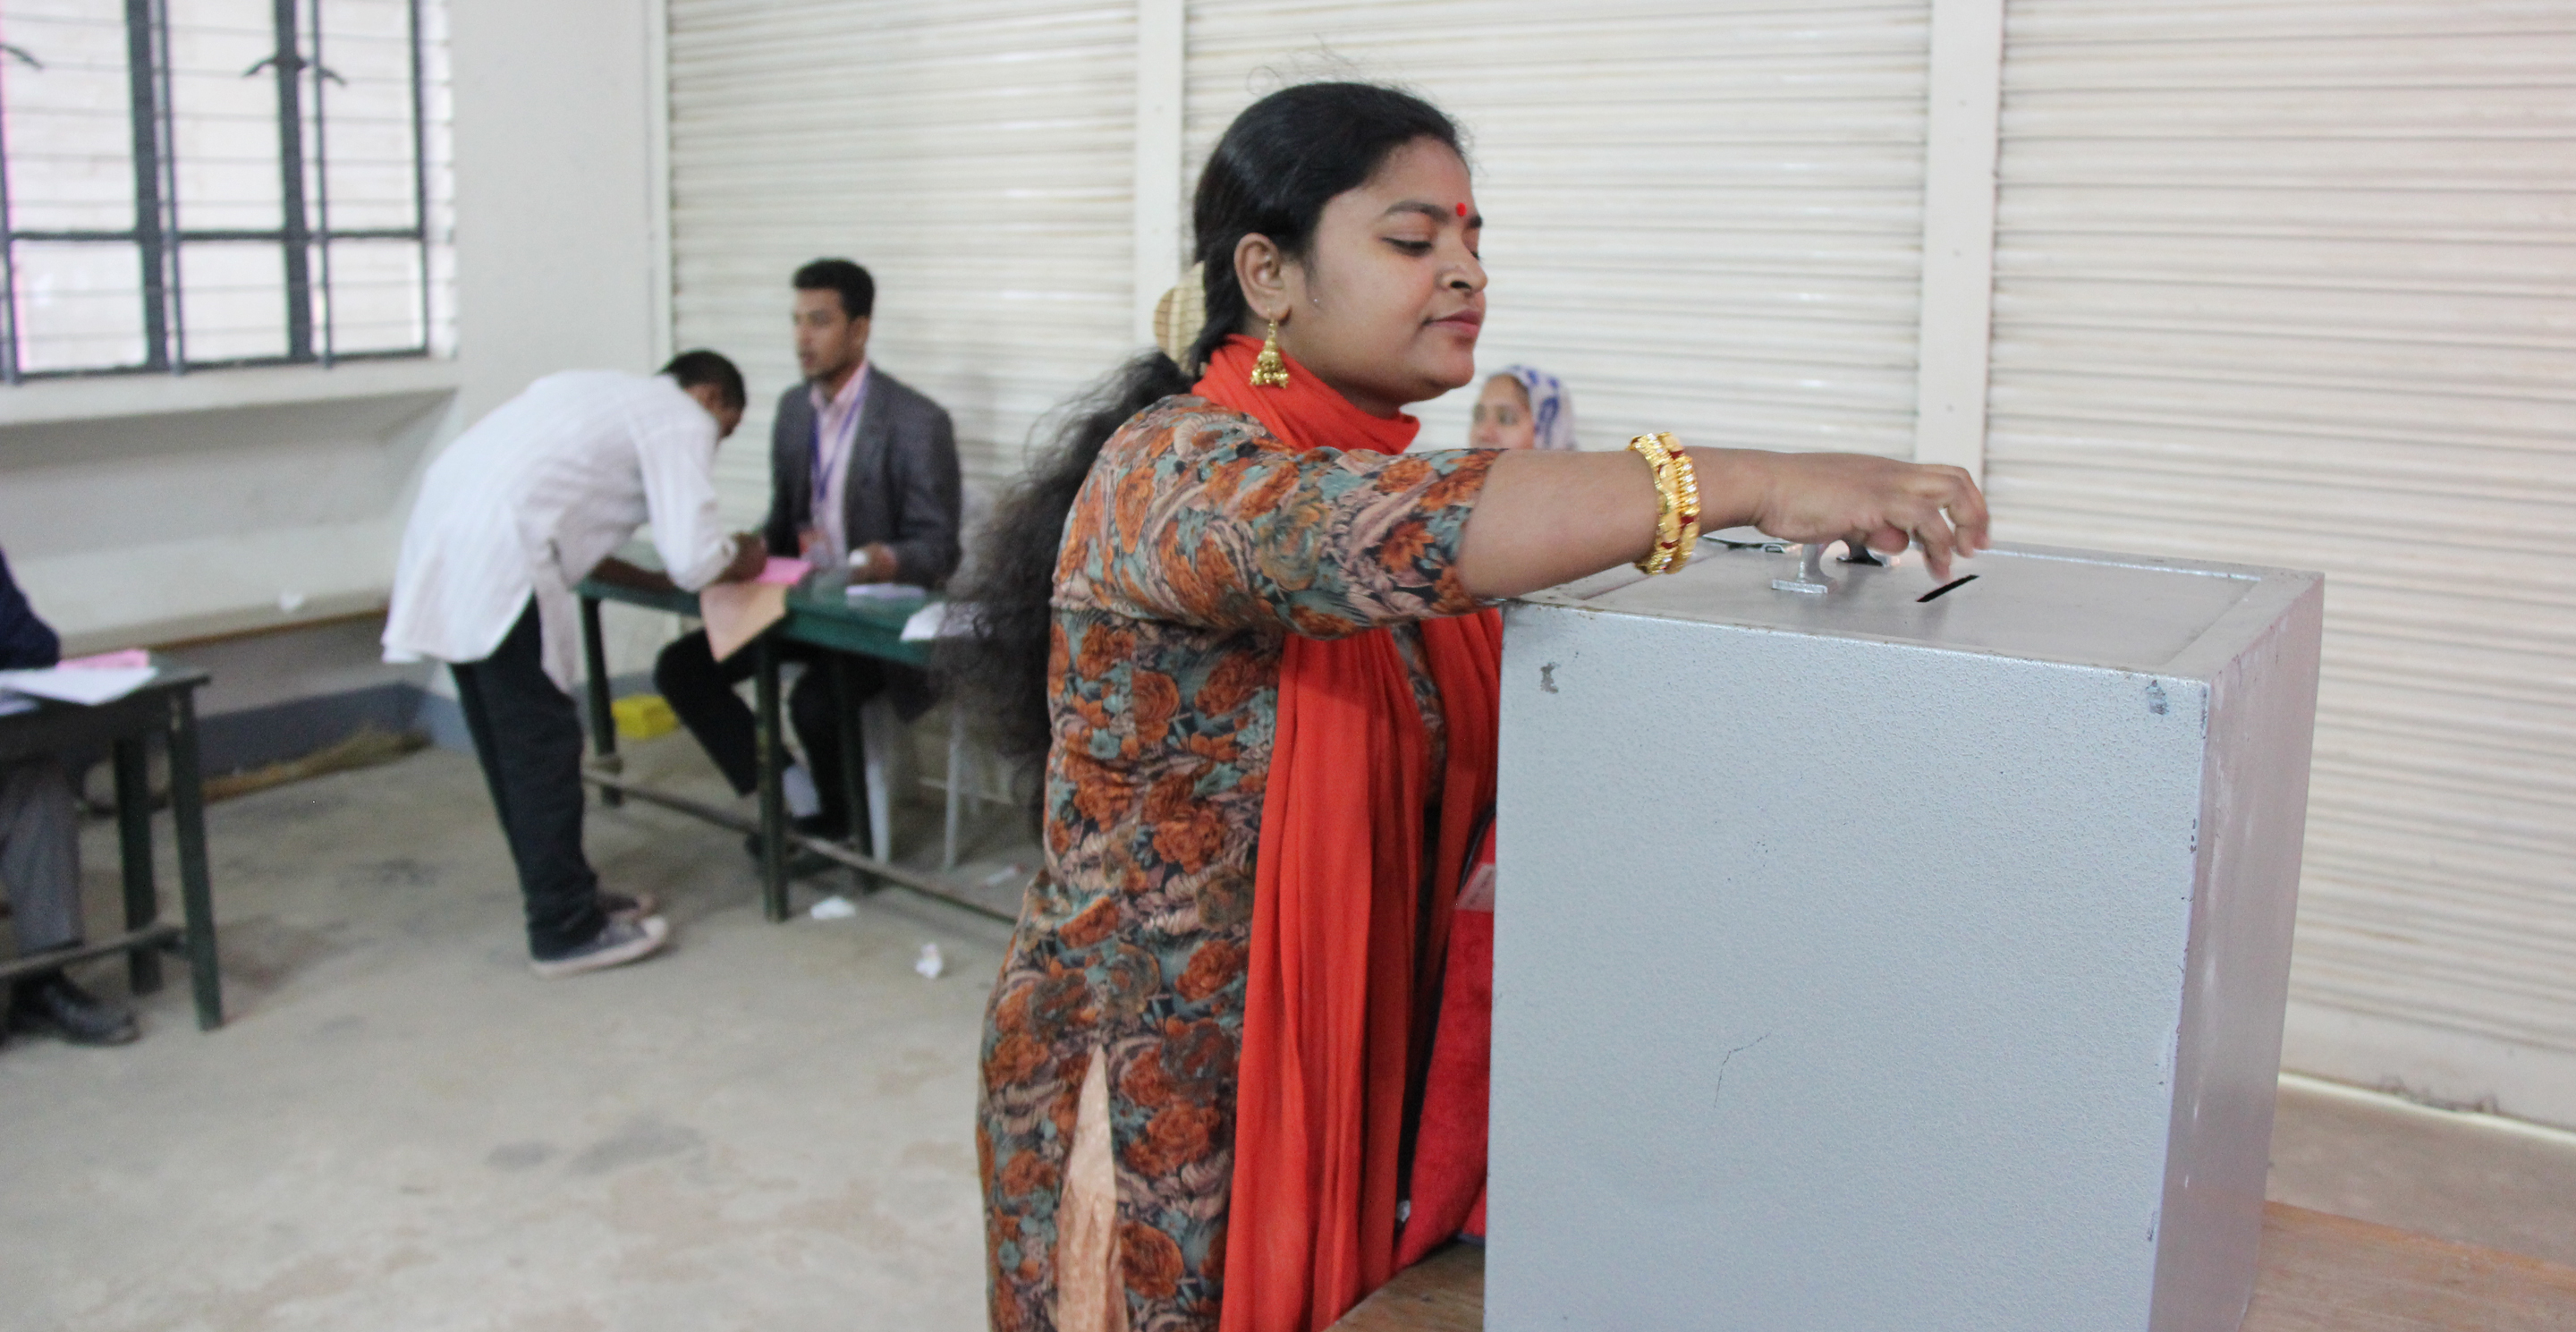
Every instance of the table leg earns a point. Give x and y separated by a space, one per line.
956 784
773 797
134 845
196 894
854 759
603 723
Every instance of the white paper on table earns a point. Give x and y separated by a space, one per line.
884 592
85 685
926 623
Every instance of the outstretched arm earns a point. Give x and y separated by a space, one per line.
1205 518
1548 518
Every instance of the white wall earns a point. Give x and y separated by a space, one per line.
148 509
555 192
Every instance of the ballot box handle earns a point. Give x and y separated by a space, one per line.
1811 580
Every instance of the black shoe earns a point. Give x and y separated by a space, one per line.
617 943
823 826
628 906
801 862
52 1003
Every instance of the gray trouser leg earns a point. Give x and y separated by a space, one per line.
40 854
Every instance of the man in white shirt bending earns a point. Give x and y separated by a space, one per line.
520 508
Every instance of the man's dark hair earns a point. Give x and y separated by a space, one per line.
858 290
692 368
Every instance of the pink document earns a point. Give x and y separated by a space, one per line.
736 613
127 660
783 572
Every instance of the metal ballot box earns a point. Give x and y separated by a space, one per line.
1869 959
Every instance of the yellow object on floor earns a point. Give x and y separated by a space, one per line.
643 716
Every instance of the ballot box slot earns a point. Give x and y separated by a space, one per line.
2123 613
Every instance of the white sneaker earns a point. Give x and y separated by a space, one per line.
621 942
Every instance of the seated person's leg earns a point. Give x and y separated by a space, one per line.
40 861
700 690
816 714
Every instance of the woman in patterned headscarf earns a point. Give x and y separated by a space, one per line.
1523 408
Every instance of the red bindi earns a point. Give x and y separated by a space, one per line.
1462 210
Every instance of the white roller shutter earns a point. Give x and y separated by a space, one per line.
976 157
2295 282
1705 218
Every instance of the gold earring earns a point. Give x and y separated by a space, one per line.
1268 371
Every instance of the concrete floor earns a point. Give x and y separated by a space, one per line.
402 1129
2469 1178
769 1128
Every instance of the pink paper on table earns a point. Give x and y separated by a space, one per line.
783 572
109 661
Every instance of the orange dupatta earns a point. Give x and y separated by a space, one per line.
1333 1007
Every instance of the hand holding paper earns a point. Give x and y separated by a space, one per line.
784 572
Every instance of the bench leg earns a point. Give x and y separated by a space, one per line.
134 846
773 796
196 893
603 723
956 784
858 779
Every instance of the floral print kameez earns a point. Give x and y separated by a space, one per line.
1199 543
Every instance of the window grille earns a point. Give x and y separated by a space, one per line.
186 184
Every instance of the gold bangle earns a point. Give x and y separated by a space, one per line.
1686 486
1676 503
1668 526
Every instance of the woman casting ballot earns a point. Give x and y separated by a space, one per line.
1261 665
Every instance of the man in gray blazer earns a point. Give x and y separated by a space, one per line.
863 474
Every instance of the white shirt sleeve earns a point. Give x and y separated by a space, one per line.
678 458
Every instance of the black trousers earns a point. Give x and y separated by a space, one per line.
528 735
701 690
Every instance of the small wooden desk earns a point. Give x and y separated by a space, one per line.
2320 1274
819 614
167 708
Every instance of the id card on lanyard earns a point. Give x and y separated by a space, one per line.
825 457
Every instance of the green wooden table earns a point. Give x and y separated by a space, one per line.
165 708
820 614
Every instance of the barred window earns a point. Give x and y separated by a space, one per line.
187 184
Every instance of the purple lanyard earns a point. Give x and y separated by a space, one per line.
819 464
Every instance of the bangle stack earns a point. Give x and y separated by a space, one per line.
1676 503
